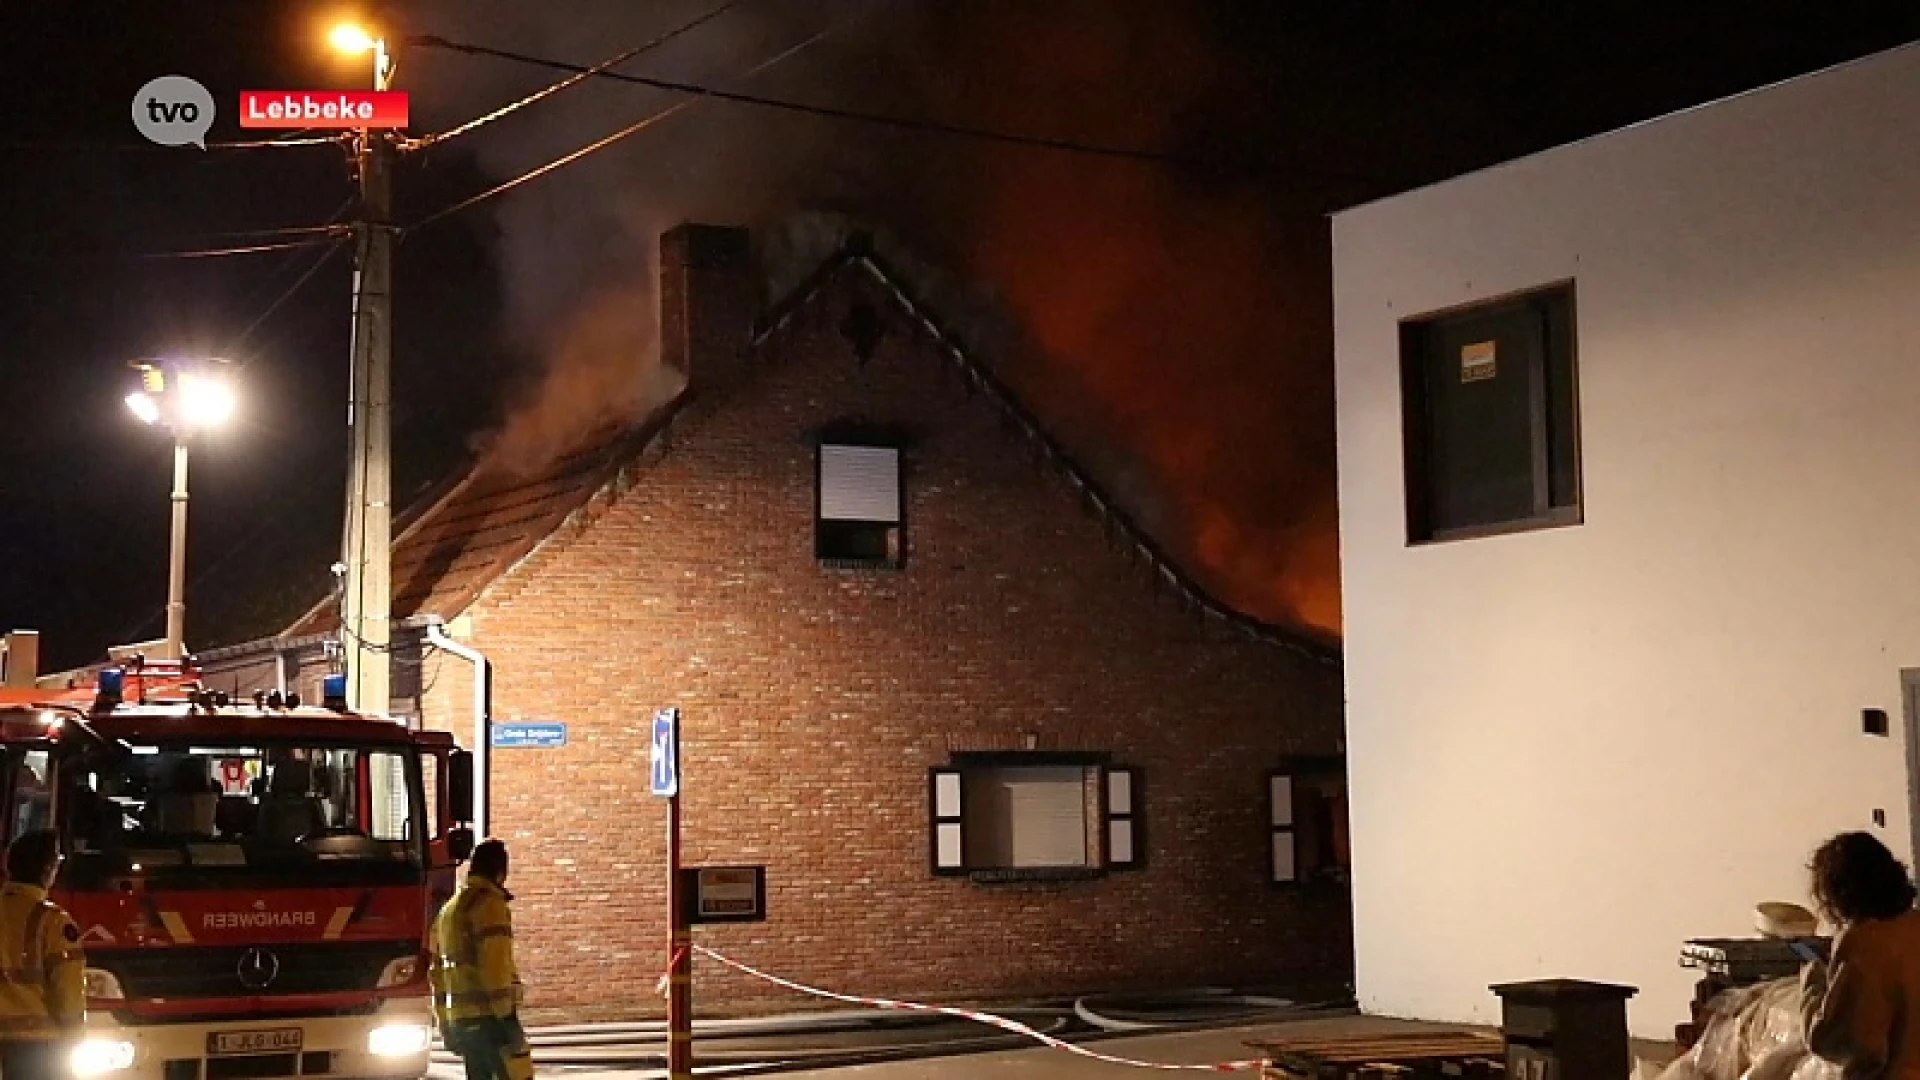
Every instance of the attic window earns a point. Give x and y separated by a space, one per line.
857 521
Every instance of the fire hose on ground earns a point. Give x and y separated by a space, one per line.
641 1044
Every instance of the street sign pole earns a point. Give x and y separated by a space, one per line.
680 959
665 770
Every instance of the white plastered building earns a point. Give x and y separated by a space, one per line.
1629 457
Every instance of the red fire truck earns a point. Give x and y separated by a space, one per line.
252 880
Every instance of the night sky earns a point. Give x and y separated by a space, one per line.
1164 308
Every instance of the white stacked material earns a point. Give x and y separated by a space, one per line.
1753 1033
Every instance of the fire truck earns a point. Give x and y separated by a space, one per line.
252 880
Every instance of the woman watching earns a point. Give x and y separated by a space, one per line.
1861 1007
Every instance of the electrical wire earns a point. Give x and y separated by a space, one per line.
579 76
631 129
332 248
270 280
356 489
925 127
302 237
326 254
274 144
141 147
247 249
333 228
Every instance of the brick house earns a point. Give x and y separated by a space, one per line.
985 737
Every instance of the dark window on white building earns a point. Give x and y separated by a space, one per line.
857 519
1491 418
1017 815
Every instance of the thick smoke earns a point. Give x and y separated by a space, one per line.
578 247
1170 324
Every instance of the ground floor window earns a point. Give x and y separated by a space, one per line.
1031 814
1307 815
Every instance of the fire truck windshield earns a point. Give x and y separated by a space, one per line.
243 811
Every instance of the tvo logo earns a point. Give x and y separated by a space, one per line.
174 110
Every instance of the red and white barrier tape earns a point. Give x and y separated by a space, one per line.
978 1017
665 980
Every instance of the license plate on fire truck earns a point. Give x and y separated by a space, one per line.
269 1041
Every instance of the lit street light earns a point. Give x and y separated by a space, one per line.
351 39
348 38
184 397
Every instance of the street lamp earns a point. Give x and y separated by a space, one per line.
184 397
349 38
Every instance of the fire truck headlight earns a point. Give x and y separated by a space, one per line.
98 1057
399 972
398 1040
101 985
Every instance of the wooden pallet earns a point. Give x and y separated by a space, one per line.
1401 1055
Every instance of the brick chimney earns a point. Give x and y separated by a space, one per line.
707 302
20 658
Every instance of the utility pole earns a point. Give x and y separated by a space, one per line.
367 548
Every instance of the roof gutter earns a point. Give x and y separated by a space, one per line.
482 715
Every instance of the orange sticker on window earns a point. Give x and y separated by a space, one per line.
1476 362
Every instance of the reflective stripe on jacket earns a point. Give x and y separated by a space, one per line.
473 974
41 962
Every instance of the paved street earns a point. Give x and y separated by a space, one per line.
1199 1047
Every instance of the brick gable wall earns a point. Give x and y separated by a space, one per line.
816 700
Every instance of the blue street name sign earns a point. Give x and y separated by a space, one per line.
524 734
663 756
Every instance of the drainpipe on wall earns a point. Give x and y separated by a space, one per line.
482 717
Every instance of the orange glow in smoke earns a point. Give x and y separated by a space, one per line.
1188 314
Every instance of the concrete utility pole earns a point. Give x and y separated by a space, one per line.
367 548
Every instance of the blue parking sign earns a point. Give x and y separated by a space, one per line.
663 757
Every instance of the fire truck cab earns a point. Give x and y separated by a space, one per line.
253 881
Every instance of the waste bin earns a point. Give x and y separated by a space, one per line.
1566 1029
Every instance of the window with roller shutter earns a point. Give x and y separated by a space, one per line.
1017 816
858 520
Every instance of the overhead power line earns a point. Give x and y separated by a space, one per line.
275 144
326 253
299 237
600 144
580 75
268 281
926 127
247 249
143 147
331 228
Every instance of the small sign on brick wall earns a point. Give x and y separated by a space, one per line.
716 894
530 734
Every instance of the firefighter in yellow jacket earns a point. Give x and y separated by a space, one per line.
476 988
42 1004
